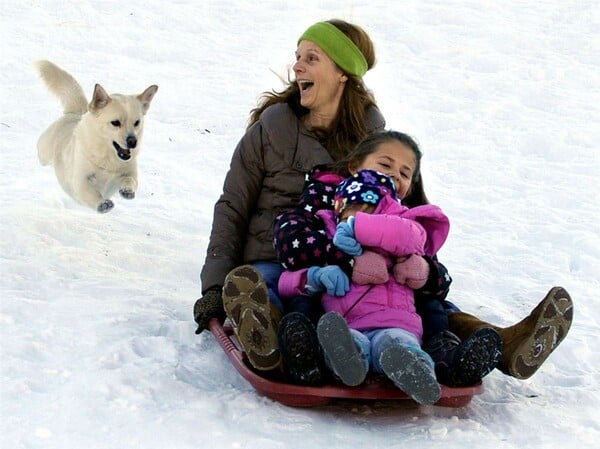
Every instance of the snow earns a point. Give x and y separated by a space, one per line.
97 338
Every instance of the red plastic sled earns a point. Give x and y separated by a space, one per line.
374 388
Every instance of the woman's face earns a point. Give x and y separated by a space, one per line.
320 80
394 159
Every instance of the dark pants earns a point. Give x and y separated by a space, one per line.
434 315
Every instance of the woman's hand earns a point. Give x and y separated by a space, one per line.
207 307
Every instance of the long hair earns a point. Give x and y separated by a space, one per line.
416 195
349 126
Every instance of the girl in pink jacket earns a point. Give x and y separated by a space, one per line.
371 322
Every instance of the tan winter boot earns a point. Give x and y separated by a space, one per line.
527 344
255 320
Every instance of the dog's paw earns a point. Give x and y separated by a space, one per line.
127 194
105 206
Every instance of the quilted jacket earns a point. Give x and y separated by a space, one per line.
265 178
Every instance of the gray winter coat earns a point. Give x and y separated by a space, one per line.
265 178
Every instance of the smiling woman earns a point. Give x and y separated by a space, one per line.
321 84
316 70
316 120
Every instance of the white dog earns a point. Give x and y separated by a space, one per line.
93 147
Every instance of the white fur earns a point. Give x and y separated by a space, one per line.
81 143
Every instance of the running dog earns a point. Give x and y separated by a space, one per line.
94 146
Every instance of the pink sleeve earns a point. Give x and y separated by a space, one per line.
396 235
435 223
291 283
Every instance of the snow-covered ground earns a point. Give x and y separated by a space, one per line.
97 338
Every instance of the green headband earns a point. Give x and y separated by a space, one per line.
338 47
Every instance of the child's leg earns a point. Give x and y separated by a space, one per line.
433 317
457 363
346 350
397 354
306 305
300 351
297 335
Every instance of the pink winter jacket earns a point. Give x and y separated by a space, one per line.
395 231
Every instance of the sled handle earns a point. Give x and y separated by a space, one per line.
219 332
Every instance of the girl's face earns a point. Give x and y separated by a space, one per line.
320 80
394 159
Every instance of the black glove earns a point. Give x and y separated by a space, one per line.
209 306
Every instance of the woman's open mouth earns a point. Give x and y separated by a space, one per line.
305 86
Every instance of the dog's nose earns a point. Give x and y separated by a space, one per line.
131 141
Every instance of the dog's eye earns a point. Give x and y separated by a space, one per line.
116 123
137 123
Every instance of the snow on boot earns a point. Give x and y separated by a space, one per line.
411 370
300 352
459 364
340 349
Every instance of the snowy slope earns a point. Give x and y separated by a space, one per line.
96 332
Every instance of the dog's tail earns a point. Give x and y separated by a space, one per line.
63 86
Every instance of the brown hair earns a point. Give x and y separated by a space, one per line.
416 195
349 126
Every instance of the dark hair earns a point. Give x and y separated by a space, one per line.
416 195
349 126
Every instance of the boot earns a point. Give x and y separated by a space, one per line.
462 363
411 370
341 352
303 362
527 344
254 318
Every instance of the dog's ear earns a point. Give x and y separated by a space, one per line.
100 98
146 97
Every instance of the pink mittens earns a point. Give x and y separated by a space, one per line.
412 271
370 268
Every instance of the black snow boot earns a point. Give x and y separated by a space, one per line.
303 361
460 364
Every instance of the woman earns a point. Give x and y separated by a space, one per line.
321 115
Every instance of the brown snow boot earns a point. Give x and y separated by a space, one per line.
527 344
255 319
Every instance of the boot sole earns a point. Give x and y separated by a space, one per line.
410 374
475 358
552 323
246 302
300 351
340 349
